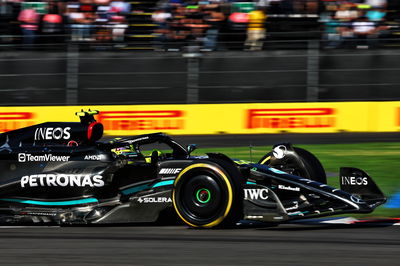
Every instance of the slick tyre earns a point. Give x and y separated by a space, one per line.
310 167
208 194
313 167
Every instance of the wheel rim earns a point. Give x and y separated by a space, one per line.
203 198
203 195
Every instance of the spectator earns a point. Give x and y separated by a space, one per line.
80 24
255 30
29 20
364 30
376 3
119 26
194 22
214 18
331 32
161 18
346 13
375 14
52 23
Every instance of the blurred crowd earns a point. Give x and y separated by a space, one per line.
210 24
359 23
213 23
83 20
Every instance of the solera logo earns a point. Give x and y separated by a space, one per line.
15 120
142 120
291 118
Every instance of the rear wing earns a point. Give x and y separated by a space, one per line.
358 183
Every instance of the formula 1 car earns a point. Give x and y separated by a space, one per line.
59 172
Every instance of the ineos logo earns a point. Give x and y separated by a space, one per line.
50 133
354 181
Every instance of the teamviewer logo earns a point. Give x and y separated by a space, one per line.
21 157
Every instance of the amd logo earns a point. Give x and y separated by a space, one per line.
51 133
256 194
93 157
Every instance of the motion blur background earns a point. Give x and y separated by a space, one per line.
217 68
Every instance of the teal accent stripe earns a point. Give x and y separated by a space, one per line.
164 183
53 203
298 213
146 186
135 189
250 183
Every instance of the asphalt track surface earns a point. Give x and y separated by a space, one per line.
180 245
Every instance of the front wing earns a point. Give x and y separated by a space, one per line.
271 195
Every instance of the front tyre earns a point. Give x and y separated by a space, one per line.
298 162
208 194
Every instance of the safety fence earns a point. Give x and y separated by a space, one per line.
76 76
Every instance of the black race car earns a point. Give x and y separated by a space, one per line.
59 172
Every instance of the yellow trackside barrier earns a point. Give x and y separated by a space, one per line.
252 118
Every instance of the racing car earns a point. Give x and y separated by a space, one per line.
66 173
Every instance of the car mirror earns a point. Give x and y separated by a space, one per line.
191 147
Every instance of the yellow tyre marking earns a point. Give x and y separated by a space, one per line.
265 160
227 182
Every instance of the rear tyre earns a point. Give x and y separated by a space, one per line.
209 194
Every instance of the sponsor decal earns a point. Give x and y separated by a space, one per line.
279 151
61 180
169 171
154 200
26 157
356 199
142 120
354 180
256 193
291 118
39 213
15 120
51 133
93 157
283 187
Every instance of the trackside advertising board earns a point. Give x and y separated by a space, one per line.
253 118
